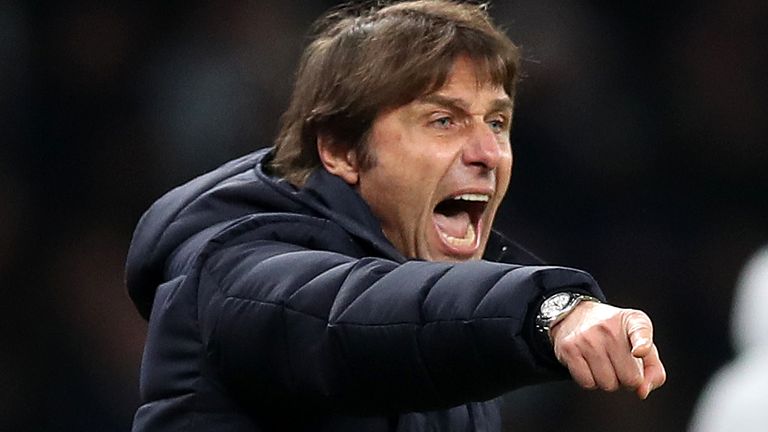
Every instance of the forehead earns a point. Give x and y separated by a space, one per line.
471 80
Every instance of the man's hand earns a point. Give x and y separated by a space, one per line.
607 347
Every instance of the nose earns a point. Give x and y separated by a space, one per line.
482 147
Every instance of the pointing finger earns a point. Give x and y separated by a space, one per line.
655 374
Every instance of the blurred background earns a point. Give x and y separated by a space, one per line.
640 145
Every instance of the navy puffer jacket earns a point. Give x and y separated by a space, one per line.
277 309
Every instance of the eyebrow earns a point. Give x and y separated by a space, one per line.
501 104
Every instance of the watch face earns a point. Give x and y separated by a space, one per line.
554 305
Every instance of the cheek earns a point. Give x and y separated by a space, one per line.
411 173
504 171
388 190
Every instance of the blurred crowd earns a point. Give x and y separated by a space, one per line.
640 139
736 397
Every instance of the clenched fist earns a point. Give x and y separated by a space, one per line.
608 347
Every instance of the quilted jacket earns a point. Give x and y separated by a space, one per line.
273 308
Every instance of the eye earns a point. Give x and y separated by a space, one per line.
498 125
444 122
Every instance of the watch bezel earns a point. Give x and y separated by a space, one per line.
556 304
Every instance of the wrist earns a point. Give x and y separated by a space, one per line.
556 308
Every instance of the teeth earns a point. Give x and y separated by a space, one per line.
468 240
472 197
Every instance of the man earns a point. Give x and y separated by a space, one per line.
335 281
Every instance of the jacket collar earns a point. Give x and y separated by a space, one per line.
331 197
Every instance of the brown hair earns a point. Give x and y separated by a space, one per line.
363 61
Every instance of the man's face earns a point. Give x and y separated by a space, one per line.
442 166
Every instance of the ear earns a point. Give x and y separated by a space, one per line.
338 159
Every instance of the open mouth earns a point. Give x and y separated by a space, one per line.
457 219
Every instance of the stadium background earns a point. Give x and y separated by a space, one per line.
640 144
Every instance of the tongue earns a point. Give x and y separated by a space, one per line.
455 225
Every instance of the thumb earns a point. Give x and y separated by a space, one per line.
640 332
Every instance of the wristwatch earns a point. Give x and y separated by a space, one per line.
556 307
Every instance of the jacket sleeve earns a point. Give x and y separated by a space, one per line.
284 323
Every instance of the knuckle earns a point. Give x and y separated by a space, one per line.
635 313
562 356
609 386
636 319
633 381
568 347
607 329
587 384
